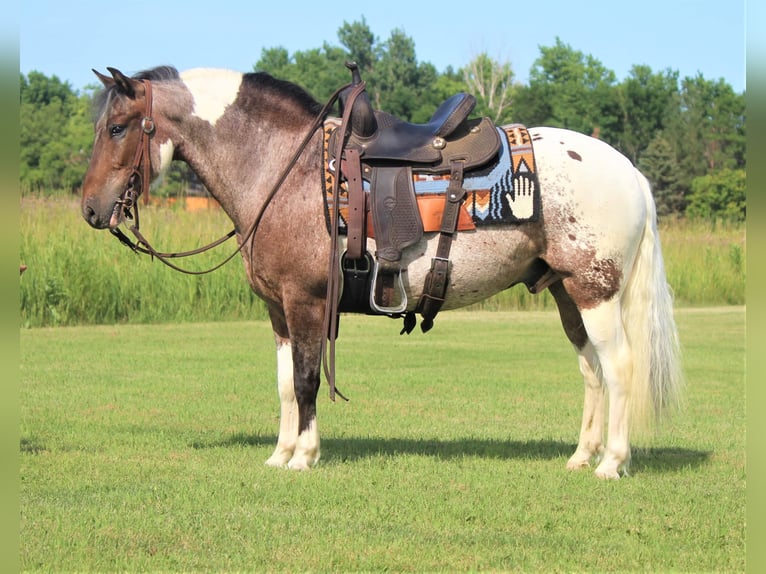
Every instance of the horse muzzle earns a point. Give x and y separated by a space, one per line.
102 211
95 215
102 214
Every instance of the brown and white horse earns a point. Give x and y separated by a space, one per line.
597 231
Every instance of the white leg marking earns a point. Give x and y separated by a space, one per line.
592 428
606 332
213 91
288 416
307 450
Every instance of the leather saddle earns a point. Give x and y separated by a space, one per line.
385 151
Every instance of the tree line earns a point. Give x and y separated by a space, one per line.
687 135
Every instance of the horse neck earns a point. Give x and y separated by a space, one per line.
240 155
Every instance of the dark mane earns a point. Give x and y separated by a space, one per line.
157 74
284 88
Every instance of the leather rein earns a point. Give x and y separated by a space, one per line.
140 178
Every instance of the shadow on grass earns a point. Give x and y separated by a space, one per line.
349 449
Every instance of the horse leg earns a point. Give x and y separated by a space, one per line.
592 427
612 350
288 415
298 330
306 363
298 362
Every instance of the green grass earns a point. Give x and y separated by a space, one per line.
142 449
78 276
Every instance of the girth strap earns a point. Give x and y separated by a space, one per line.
436 282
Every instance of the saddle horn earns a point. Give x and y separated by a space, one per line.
363 122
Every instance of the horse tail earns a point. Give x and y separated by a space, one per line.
657 380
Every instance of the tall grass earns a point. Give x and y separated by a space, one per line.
705 261
78 276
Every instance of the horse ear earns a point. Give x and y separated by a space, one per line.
123 82
106 80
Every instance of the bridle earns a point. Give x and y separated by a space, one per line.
141 168
140 178
138 183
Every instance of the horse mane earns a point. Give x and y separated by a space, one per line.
283 88
261 80
156 74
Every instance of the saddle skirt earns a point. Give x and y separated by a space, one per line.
504 191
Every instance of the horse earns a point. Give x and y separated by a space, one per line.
597 234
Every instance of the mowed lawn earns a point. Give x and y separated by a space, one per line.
142 449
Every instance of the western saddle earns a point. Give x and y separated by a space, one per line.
385 151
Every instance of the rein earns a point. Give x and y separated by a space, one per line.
141 175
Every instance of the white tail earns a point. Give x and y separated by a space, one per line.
647 314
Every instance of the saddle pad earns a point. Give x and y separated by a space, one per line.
505 191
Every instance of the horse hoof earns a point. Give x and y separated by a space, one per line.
279 459
299 465
607 474
577 464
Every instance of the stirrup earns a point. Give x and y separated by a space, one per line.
398 289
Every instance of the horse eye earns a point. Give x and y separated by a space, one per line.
116 130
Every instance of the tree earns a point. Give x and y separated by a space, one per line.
396 82
718 195
319 71
492 84
360 43
706 130
660 166
647 102
55 134
571 90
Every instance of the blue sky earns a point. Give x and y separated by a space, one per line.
67 39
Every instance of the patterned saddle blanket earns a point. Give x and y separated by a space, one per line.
505 191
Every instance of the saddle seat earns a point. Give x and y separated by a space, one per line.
398 140
428 147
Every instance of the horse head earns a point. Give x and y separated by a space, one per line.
121 165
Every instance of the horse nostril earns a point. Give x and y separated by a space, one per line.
89 214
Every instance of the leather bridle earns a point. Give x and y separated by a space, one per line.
140 173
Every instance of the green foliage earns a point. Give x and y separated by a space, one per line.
55 135
660 163
719 195
705 261
647 103
677 130
577 91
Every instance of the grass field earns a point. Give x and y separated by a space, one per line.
142 449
